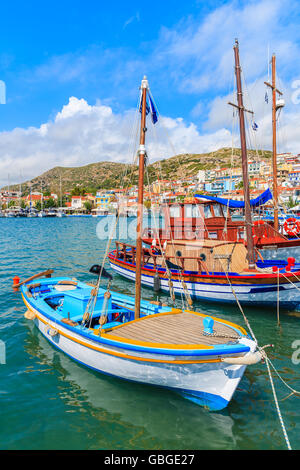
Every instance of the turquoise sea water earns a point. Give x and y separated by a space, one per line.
47 401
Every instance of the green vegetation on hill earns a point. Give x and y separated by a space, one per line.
110 175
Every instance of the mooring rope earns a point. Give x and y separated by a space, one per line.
264 355
277 406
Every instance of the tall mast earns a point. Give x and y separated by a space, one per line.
142 154
274 145
241 109
60 190
42 196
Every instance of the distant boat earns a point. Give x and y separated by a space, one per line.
60 214
42 214
51 213
10 214
32 214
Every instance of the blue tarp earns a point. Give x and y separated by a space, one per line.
259 201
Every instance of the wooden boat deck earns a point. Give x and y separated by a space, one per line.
176 329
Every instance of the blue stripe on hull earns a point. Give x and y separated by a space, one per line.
208 400
200 295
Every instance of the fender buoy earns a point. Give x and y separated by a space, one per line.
261 233
292 226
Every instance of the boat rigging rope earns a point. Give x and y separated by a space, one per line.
183 284
88 315
170 283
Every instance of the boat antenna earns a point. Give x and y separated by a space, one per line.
274 144
139 228
241 110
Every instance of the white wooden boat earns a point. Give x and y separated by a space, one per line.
165 347
200 357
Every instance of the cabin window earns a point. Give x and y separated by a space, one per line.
213 235
191 210
218 210
175 211
207 211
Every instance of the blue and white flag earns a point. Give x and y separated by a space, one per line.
153 111
266 98
254 126
141 106
149 108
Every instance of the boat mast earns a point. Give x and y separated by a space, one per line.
60 191
274 144
42 196
142 154
241 109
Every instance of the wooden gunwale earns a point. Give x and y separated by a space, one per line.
126 356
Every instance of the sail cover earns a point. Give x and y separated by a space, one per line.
259 201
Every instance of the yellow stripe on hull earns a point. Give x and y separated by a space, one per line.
114 353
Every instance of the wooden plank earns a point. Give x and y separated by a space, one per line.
183 328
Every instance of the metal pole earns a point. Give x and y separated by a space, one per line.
275 188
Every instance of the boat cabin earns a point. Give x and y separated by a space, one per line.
196 220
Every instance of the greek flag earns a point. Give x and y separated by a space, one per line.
150 108
266 98
141 106
153 111
254 126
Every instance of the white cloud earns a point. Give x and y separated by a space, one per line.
82 134
200 49
195 58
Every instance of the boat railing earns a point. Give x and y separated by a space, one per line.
127 253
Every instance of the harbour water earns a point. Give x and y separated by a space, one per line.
50 402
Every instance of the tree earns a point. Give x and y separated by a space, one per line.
38 206
50 203
88 206
291 203
78 191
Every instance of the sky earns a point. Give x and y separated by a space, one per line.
72 72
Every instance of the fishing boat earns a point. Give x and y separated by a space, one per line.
198 356
42 213
270 231
164 347
213 268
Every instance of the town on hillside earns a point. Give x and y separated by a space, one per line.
223 182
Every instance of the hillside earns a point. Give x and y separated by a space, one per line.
109 175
